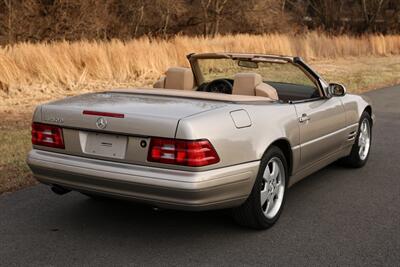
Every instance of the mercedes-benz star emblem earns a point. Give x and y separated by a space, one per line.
101 123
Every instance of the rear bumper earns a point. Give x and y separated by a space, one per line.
213 189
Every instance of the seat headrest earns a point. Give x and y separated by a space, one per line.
179 78
245 83
266 90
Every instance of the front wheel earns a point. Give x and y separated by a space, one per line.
360 151
264 205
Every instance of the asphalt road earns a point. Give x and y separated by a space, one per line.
337 216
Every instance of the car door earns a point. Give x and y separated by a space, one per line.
322 125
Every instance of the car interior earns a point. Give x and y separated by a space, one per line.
246 84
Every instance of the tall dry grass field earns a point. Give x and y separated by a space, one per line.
33 73
30 72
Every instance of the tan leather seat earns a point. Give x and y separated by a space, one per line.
251 84
176 78
245 83
267 90
160 83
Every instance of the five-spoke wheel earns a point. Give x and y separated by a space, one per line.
364 139
360 151
272 187
264 205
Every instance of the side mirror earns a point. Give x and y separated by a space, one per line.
336 89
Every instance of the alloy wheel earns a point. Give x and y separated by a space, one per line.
364 139
272 187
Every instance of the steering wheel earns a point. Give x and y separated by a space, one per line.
219 86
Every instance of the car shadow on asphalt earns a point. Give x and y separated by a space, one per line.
129 218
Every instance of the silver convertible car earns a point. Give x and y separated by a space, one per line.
233 131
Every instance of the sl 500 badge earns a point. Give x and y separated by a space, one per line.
55 119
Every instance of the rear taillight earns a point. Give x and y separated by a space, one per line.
182 152
47 135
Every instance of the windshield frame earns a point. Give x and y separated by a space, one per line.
296 61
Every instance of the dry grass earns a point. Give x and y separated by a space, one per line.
361 74
14 146
30 71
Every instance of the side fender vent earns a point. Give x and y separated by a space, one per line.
352 135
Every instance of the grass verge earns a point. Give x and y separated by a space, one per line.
14 145
360 74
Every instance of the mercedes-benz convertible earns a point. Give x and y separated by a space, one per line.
233 131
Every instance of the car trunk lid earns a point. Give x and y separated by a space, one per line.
142 115
118 126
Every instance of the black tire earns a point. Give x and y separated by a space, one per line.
250 213
354 160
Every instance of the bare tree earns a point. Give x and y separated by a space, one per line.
283 6
218 7
167 16
212 12
43 20
205 5
371 10
9 6
328 12
139 20
163 16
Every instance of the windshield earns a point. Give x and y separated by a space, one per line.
276 72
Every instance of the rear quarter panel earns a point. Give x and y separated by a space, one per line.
269 122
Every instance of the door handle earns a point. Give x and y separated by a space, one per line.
304 118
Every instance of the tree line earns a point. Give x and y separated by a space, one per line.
45 20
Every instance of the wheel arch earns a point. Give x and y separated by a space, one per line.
368 109
284 145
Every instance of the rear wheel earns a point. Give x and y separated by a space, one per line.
264 205
360 151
